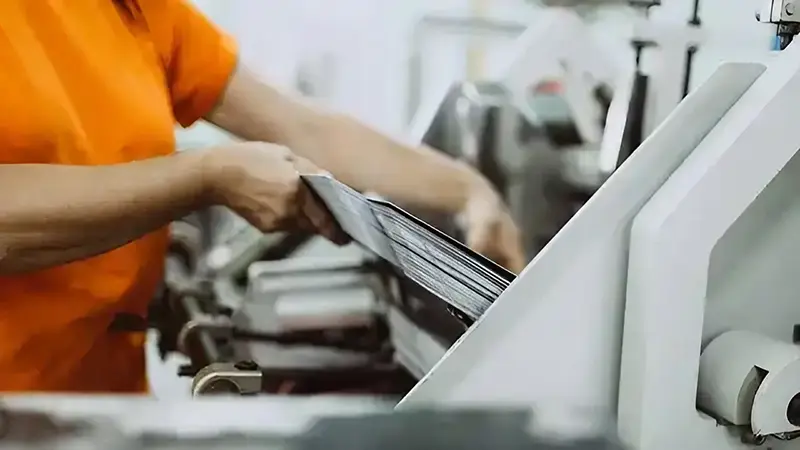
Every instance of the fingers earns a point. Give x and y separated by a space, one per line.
499 241
479 236
320 219
312 215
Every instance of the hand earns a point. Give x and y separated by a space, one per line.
261 182
491 231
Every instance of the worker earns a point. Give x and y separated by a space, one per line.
89 179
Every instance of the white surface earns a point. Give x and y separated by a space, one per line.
717 242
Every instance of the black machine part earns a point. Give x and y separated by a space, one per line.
786 33
633 133
694 22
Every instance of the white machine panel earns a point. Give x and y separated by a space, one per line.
554 335
718 249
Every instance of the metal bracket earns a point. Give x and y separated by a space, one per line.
242 378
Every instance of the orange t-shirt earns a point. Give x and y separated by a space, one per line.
84 82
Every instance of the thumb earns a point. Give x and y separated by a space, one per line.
516 261
306 167
478 234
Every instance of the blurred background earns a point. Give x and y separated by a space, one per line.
356 55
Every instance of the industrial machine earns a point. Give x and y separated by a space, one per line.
667 301
233 297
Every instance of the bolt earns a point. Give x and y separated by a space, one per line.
758 16
246 365
789 8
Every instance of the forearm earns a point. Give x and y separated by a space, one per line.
351 151
370 161
55 214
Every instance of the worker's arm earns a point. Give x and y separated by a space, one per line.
55 214
201 62
368 160
351 151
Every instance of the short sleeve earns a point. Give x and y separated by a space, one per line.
199 58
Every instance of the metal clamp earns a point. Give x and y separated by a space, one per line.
242 378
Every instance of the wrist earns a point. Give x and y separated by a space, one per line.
205 172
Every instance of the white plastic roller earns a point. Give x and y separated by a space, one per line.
747 378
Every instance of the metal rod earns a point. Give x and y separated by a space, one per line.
687 73
691 52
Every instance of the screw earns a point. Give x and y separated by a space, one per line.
789 9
